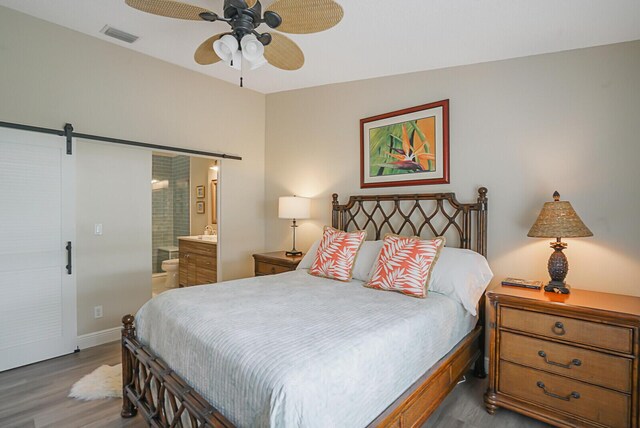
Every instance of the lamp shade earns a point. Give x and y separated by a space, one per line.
558 219
252 48
225 47
294 207
253 51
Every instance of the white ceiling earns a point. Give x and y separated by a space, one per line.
375 38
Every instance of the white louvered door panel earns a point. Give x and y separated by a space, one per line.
37 218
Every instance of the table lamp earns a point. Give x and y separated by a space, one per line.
294 207
558 220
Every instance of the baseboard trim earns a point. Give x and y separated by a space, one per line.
96 338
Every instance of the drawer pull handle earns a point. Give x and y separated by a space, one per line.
574 394
273 270
558 328
575 361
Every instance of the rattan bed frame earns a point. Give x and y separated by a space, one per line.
146 377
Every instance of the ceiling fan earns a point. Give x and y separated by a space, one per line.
243 43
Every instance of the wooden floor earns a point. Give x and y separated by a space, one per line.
36 396
464 407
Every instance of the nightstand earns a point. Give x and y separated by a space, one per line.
276 262
570 360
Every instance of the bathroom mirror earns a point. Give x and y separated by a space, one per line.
214 198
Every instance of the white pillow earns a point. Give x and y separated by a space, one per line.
462 275
365 259
308 258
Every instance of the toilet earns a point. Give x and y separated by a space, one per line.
171 266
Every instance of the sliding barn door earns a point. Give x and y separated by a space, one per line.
37 224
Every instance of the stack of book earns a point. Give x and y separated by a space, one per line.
524 283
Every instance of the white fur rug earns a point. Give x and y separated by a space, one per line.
103 382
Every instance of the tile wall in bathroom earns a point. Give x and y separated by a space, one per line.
180 183
170 204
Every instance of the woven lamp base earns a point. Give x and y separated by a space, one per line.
558 266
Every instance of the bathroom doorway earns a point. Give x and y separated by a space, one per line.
184 209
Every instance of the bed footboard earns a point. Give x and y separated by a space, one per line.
166 400
157 392
418 402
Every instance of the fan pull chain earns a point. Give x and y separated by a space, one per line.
241 70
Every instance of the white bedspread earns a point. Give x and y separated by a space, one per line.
293 350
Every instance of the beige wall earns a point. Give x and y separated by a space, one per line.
50 75
113 189
523 128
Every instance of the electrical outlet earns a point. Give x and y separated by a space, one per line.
97 229
97 311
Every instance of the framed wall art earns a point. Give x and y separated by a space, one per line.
407 147
199 192
199 207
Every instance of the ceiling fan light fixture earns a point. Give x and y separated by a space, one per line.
252 48
226 47
252 51
243 43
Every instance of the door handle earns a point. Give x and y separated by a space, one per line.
68 248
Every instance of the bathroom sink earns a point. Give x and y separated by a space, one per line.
208 238
212 238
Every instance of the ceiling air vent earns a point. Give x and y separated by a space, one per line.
118 34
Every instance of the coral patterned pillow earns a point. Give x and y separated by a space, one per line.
337 253
405 264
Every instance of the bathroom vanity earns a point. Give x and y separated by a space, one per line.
198 260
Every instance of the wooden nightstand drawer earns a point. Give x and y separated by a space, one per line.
263 268
572 330
600 405
582 364
276 262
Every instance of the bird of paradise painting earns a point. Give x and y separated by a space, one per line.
406 147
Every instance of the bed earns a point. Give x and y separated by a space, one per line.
297 350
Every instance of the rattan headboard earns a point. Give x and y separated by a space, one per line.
424 215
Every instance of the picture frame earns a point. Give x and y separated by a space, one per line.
200 207
385 139
199 192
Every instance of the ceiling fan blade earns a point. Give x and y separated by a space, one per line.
307 16
283 53
168 8
205 54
